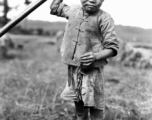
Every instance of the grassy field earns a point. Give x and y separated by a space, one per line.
31 83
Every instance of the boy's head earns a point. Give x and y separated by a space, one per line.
91 6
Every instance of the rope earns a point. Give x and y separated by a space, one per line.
79 77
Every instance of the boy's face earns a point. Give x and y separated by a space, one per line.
91 6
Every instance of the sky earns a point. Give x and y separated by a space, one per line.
136 13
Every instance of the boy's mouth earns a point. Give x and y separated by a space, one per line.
90 7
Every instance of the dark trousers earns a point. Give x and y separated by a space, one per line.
87 113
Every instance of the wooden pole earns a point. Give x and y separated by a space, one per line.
14 22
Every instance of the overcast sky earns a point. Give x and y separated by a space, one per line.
124 12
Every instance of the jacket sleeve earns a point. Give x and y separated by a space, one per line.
109 35
60 9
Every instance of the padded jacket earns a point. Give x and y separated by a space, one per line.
85 33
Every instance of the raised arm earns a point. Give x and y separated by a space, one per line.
59 8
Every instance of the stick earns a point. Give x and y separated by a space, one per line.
14 22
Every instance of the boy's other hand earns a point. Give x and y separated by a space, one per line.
88 58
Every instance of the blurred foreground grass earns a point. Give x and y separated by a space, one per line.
31 83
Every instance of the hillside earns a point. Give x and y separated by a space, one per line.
127 33
134 33
45 25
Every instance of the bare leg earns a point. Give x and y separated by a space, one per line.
96 114
81 111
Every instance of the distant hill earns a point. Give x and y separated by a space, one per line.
126 33
45 25
129 33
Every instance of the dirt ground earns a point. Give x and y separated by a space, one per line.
33 78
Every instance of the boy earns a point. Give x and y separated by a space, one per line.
89 39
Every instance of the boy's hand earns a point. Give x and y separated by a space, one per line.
88 58
55 2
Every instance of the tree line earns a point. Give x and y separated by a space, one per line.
5 9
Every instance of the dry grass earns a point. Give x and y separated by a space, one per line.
31 84
129 91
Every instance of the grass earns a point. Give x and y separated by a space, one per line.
129 91
31 83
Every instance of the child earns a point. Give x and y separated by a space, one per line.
89 40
